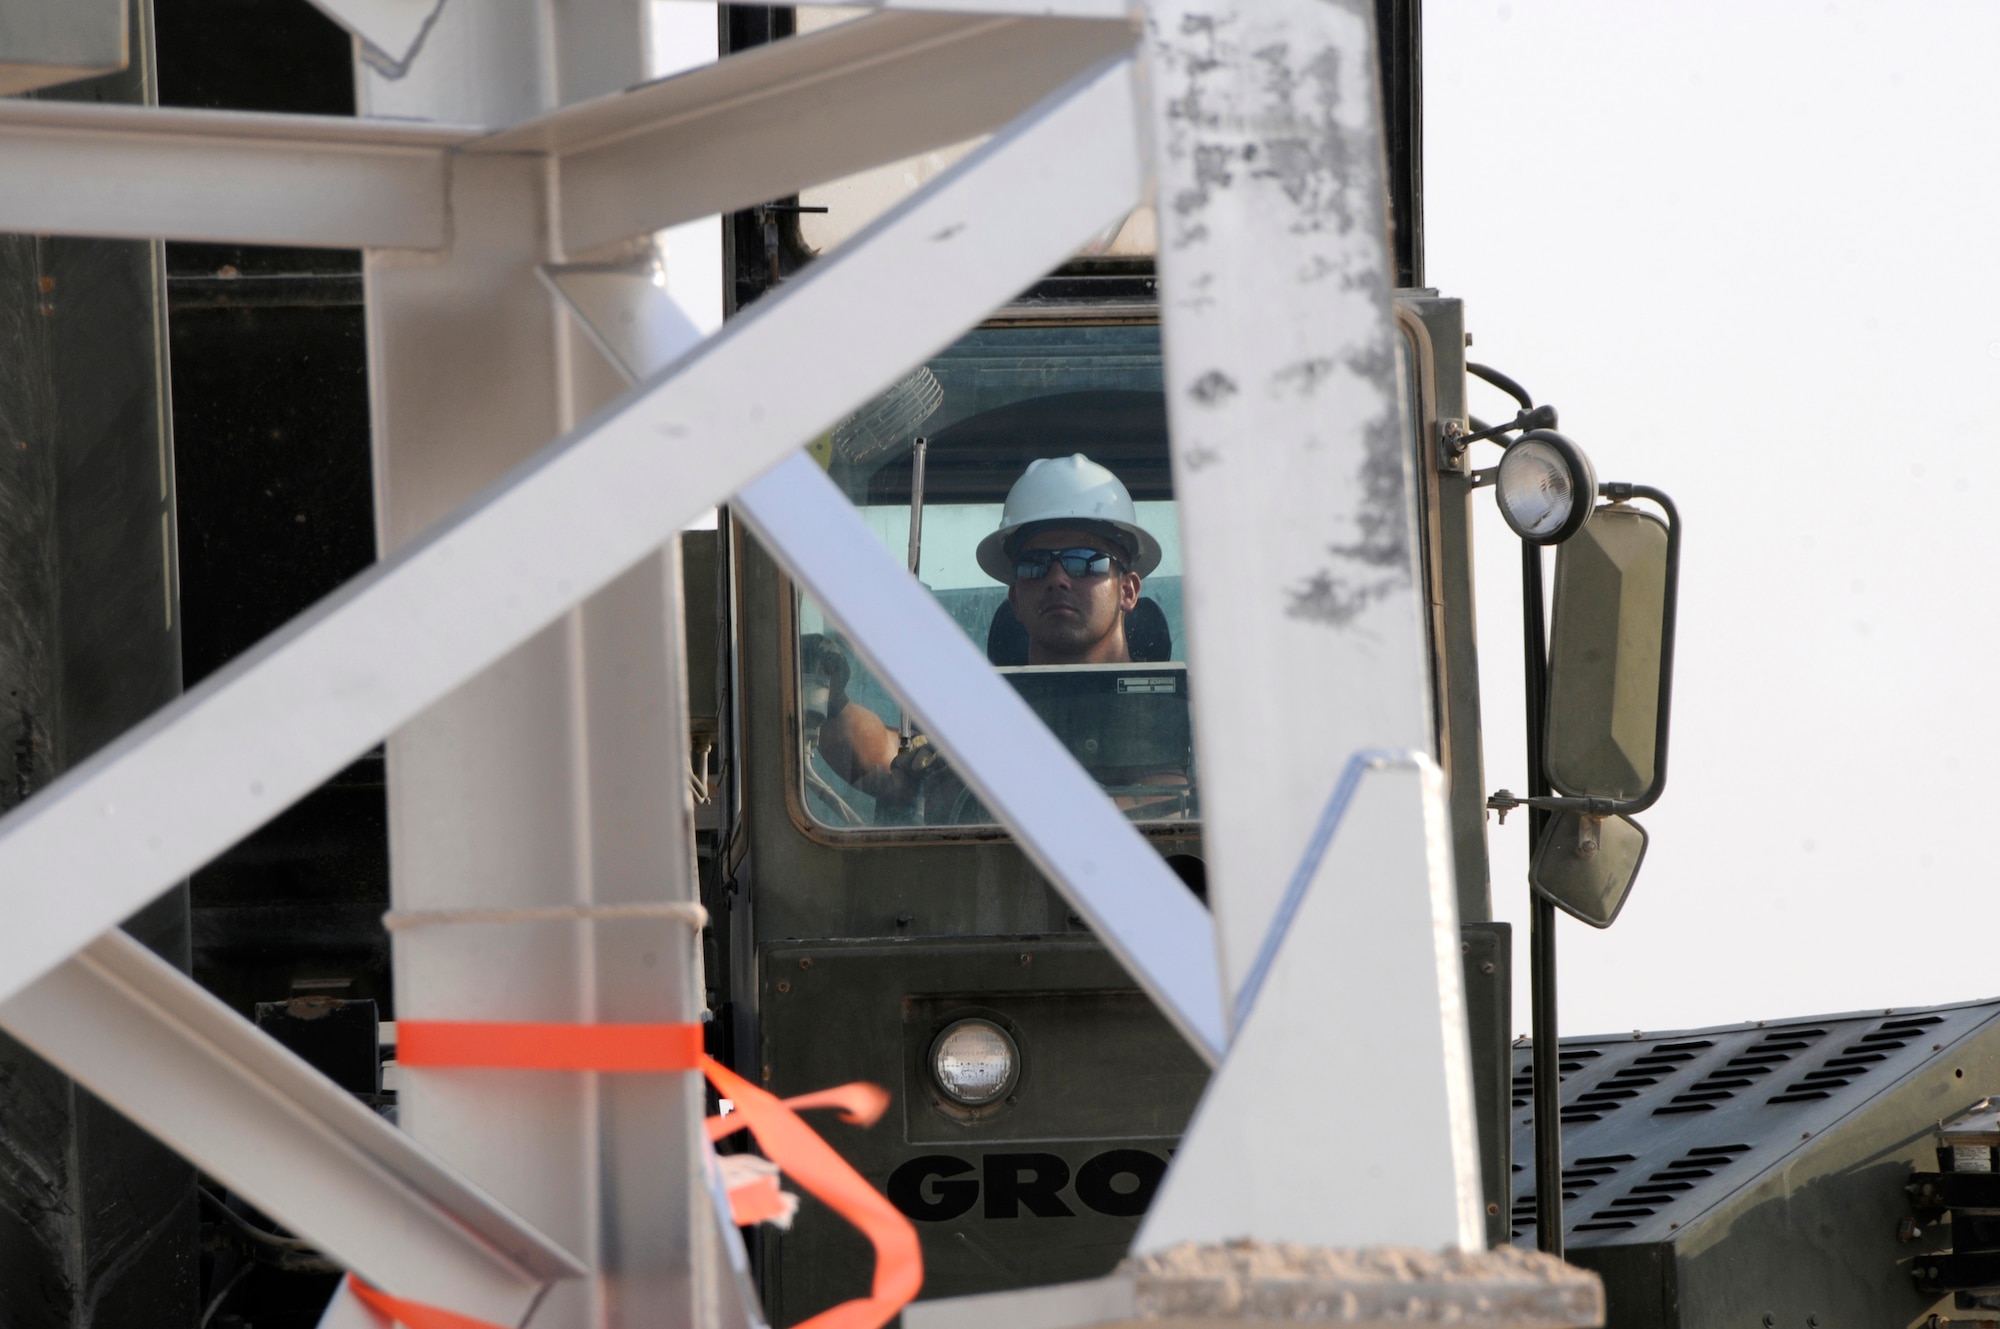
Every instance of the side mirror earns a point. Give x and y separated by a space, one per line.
1610 678
1585 865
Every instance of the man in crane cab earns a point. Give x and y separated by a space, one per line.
1073 556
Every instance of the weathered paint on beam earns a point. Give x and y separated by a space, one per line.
1305 640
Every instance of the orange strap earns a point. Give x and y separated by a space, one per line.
812 1162
548 1047
859 1105
787 1141
412 1314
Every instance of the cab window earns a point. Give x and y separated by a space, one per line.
997 401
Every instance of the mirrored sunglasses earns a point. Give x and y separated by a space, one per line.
1034 564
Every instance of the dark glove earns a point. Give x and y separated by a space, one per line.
919 761
825 670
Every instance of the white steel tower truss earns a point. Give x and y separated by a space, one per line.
517 644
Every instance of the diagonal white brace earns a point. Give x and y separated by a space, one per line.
1103 866
142 1035
228 756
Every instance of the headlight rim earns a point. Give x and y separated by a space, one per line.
1001 1096
1583 484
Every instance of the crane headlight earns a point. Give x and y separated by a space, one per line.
1546 487
974 1062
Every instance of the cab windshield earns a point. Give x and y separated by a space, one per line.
995 402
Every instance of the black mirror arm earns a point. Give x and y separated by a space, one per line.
1489 374
1538 417
1504 801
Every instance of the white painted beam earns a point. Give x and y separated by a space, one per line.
78 168
1287 425
730 134
767 122
233 752
141 1035
1338 1117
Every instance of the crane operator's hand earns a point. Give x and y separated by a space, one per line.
860 749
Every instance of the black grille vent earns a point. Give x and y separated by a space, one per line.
1662 1188
1856 1061
1581 1176
1741 1071
1572 1062
1642 1072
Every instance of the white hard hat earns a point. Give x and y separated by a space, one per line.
1070 491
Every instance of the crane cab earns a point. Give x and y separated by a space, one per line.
895 933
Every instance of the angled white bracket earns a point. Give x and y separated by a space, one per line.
1302 1136
390 31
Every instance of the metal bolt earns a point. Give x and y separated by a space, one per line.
784 985
1492 1210
1026 958
1489 967
806 962
1769 1320
1812 1322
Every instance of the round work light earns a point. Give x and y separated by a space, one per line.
974 1062
1546 487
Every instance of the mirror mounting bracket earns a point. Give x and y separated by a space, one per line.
1505 801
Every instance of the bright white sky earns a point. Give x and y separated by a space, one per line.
1752 253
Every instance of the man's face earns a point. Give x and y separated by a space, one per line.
1076 620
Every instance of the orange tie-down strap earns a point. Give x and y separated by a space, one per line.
786 1140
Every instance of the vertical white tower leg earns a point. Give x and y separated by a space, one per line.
557 776
1342 1115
